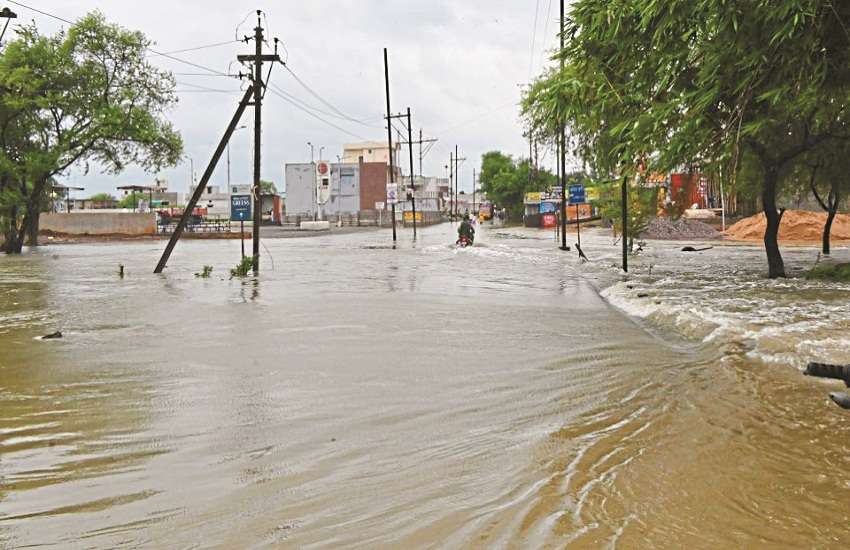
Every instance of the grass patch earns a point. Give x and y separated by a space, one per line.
205 272
830 272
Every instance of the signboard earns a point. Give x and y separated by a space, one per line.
240 208
549 220
556 191
592 194
392 193
577 195
548 207
532 197
379 206
322 168
408 217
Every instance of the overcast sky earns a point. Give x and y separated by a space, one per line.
458 65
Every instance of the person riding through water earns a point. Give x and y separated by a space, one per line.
466 230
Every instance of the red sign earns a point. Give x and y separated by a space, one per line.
322 168
550 220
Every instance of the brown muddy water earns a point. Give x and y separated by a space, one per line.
360 397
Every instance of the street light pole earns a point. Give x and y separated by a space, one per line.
8 15
312 157
228 158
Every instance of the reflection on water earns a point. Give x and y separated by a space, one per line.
359 396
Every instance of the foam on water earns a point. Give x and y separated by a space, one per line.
726 301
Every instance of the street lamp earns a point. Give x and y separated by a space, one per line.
8 15
320 152
312 157
228 157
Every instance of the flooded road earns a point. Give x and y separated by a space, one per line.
361 397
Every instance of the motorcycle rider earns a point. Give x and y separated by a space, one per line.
466 230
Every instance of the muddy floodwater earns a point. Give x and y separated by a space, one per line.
355 396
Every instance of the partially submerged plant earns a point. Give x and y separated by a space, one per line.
205 272
830 272
243 267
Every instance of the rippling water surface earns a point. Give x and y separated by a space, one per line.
362 397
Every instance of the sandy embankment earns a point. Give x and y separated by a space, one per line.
797 226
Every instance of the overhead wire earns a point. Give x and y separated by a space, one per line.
162 54
324 101
533 39
314 115
197 48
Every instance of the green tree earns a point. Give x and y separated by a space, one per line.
102 197
506 181
268 187
88 96
703 82
132 200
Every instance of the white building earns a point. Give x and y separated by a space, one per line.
215 199
370 151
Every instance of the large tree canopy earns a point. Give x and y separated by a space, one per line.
702 82
506 181
87 96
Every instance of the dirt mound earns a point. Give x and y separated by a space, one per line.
797 226
680 230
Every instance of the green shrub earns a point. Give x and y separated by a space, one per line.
243 268
205 272
830 272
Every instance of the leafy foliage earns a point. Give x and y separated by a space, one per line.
87 96
243 267
506 181
102 197
714 84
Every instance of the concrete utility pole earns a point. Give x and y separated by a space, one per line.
412 180
457 183
562 154
257 78
253 96
451 185
390 133
199 190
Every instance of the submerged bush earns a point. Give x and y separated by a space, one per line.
205 272
243 267
830 272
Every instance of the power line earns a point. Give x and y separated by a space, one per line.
208 46
163 54
533 38
203 88
324 101
314 115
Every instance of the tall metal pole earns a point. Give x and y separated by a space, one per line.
196 196
451 185
412 180
474 191
457 184
562 153
625 214
389 132
258 126
421 154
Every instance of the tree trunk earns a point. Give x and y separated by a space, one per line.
13 242
32 225
776 267
827 228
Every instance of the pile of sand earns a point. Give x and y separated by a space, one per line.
797 226
680 230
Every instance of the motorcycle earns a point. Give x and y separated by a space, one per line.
464 241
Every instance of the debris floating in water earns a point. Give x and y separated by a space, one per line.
53 336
